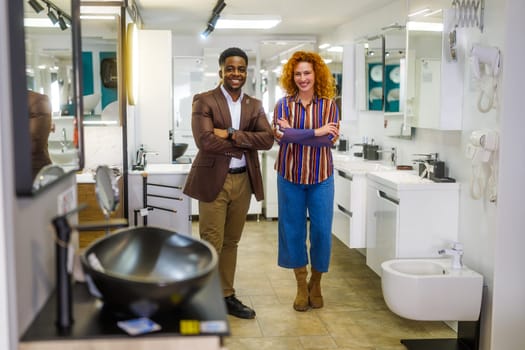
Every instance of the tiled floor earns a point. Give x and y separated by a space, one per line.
354 316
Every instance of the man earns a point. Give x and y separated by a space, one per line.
40 126
228 127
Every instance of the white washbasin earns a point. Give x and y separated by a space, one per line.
403 177
430 290
347 162
167 168
90 102
63 155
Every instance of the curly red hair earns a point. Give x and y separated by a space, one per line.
324 81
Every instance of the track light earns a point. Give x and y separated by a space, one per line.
62 23
219 7
215 14
36 6
207 32
52 16
55 13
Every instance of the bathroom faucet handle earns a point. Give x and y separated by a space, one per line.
457 246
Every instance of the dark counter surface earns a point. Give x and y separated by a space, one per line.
93 320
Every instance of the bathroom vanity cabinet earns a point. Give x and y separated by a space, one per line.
160 188
349 207
408 217
270 204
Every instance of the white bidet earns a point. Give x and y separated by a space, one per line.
431 290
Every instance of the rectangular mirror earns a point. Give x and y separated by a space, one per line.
370 70
434 80
100 55
49 139
395 81
423 76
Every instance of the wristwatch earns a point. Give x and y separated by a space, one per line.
230 132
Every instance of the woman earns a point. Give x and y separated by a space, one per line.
306 126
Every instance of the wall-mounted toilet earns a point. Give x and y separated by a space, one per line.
431 290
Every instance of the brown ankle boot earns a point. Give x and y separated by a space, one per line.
314 290
301 300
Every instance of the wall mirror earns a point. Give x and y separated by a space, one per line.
101 57
424 48
395 81
370 73
47 48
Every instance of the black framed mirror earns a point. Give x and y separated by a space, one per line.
45 55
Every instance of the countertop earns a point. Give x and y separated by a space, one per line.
163 168
203 315
346 161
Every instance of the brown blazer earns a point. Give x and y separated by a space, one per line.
39 108
210 166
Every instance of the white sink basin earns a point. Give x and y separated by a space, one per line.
63 156
430 290
353 164
403 177
167 168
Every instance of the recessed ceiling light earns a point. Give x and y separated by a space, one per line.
324 46
425 26
419 12
335 49
247 22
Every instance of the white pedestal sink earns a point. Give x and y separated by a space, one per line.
430 290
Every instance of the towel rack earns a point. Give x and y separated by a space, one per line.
469 13
146 194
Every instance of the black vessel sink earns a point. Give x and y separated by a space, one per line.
147 270
177 150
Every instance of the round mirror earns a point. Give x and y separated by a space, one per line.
107 190
47 175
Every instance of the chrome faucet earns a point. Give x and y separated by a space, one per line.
427 160
393 154
63 143
456 252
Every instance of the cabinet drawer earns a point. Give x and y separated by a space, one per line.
341 226
343 185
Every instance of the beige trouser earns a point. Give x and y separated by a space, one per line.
221 223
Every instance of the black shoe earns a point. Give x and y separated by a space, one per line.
238 309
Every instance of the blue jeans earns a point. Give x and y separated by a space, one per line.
295 201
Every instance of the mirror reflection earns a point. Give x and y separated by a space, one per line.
370 73
394 56
99 63
50 82
423 76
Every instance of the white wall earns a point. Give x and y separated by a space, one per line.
482 224
508 316
154 110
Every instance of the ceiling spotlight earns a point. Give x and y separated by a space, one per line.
219 7
207 32
62 23
36 6
52 16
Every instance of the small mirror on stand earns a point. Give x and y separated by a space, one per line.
107 192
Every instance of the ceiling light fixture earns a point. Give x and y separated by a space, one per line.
55 13
425 26
335 49
248 22
52 16
215 14
324 46
62 22
435 12
36 6
419 12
